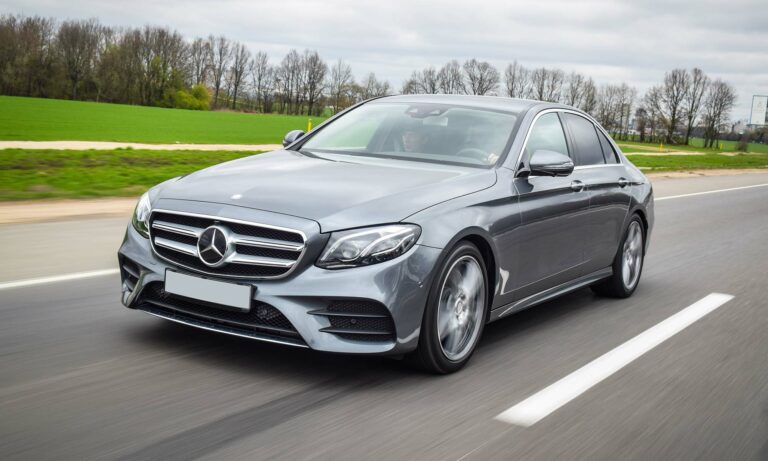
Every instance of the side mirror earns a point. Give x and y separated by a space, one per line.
291 137
550 163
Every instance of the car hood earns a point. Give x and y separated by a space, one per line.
358 191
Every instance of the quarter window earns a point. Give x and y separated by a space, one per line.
588 150
608 152
546 134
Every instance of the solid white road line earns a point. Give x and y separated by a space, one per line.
57 278
709 192
539 405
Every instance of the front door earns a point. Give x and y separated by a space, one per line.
554 217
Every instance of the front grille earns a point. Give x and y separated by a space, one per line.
258 251
358 320
262 318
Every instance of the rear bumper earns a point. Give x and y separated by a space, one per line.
343 311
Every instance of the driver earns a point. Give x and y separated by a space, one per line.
413 141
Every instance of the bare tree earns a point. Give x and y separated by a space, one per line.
200 57
720 99
241 59
371 87
339 84
288 79
588 102
315 71
575 90
450 79
626 97
482 77
78 42
641 122
693 98
608 108
409 87
652 102
425 80
673 90
518 81
546 84
220 58
260 71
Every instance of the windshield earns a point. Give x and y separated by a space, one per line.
422 132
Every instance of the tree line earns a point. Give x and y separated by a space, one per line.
668 112
85 60
157 66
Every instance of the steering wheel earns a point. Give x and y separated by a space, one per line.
475 153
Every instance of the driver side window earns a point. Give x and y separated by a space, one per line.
547 134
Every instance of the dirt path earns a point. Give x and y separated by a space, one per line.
103 145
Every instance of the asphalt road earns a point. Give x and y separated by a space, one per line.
81 377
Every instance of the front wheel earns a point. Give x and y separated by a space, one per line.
456 311
627 265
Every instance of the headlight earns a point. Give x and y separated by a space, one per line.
361 247
141 215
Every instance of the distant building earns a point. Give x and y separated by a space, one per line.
759 114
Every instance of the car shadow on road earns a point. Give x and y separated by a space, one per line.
243 355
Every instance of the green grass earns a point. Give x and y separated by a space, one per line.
730 146
695 146
35 119
699 162
37 174
636 147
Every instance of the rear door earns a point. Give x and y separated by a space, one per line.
604 177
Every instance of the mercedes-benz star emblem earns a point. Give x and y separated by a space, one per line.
212 245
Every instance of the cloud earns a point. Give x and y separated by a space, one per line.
634 41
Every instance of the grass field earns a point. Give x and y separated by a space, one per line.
699 162
34 119
36 174
695 146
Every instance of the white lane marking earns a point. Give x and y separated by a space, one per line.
56 278
709 192
539 405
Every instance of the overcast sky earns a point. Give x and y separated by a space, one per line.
613 41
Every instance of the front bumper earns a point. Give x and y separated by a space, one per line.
400 286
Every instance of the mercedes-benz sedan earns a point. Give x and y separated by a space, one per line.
400 226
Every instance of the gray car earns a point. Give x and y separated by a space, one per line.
400 226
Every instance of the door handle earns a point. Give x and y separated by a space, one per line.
577 186
623 182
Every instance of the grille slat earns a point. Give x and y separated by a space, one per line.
260 251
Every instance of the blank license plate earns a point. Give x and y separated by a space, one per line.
212 291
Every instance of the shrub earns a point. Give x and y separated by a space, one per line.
196 98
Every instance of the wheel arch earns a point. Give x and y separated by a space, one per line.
484 244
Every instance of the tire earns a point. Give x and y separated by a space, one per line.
457 309
627 264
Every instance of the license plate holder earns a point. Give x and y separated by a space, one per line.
235 295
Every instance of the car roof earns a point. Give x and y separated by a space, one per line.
481 102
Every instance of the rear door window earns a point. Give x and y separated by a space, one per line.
586 143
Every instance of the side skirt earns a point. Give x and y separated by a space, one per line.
550 293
